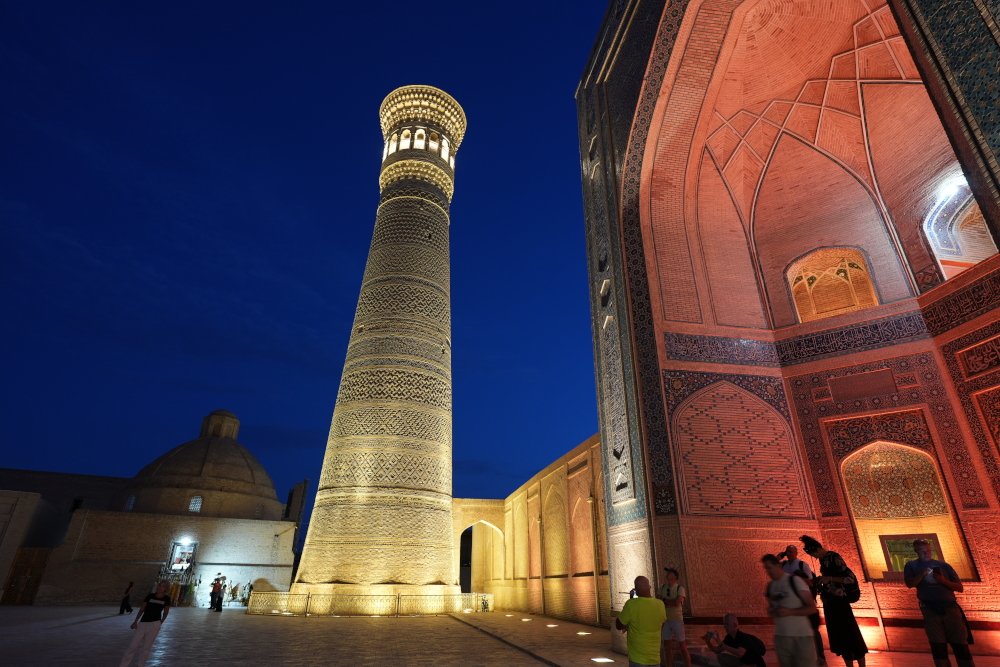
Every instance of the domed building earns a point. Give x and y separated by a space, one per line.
204 508
213 475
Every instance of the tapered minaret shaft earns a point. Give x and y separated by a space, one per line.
383 504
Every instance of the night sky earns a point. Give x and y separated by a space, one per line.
187 195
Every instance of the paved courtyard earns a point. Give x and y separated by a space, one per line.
98 636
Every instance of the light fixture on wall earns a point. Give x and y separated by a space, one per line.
950 186
184 541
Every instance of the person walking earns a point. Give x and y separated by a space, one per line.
944 622
126 605
797 567
152 613
673 595
838 588
790 603
642 618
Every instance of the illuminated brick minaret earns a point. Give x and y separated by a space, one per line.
382 520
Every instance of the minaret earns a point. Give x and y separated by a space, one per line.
382 519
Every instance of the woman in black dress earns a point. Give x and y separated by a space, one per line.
833 583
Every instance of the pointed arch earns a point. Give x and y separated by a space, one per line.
896 493
736 456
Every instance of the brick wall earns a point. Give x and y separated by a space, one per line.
535 550
103 551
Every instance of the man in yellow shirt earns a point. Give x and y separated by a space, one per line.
642 618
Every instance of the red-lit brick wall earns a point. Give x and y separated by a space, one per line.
781 127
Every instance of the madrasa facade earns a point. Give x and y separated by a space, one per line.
792 217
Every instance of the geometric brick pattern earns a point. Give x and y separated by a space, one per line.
383 506
720 474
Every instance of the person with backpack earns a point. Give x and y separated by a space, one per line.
797 567
838 588
790 604
673 595
737 647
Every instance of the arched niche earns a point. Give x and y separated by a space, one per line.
830 281
808 200
556 539
956 229
480 556
895 494
736 456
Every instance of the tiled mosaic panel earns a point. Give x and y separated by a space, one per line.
886 481
604 133
970 52
979 398
919 385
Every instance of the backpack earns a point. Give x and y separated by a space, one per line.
853 590
801 574
849 591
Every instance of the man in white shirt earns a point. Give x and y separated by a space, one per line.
790 604
796 567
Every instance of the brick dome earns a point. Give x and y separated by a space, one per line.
213 475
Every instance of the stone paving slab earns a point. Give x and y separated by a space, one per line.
552 640
90 636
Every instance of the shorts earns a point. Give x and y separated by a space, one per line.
946 628
672 630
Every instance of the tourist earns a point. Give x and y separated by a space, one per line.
152 613
126 606
944 622
838 588
790 603
797 567
673 594
642 618
737 647
216 595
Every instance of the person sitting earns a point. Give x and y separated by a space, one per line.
737 647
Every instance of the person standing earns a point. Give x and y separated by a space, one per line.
642 618
838 587
797 567
790 603
944 622
152 613
737 647
673 596
216 595
126 605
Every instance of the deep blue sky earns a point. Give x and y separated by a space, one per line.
187 194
